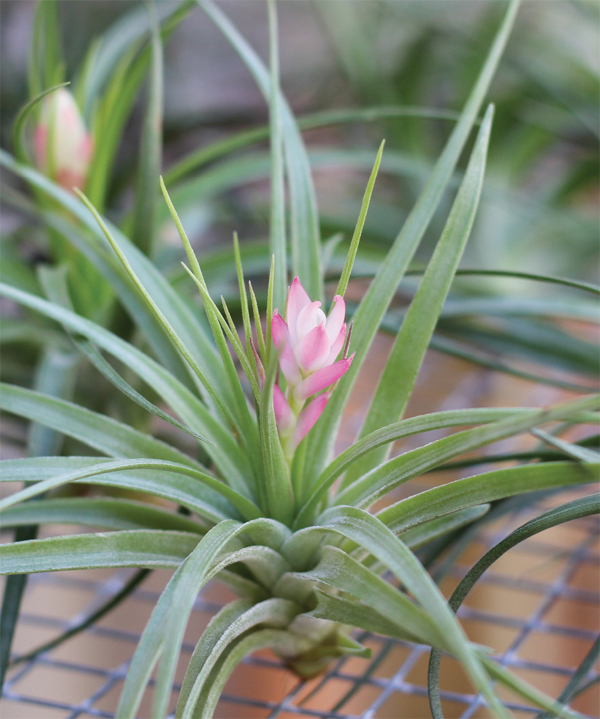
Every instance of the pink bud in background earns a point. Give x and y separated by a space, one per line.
63 146
308 345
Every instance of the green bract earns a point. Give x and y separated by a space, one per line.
313 554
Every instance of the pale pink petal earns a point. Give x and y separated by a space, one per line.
40 141
312 350
297 300
307 418
283 413
322 378
283 345
336 347
310 316
336 318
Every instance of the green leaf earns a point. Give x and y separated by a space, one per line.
46 67
410 346
274 613
214 508
177 312
277 234
347 271
304 222
283 642
23 115
398 430
572 510
96 430
106 513
144 226
371 534
336 569
356 614
131 548
276 484
224 452
107 371
382 289
441 526
190 357
164 632
217 626
380 480
486 487
204 155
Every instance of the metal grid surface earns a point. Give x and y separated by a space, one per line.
543 613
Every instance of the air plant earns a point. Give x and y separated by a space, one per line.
267 511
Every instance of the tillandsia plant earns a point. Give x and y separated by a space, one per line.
265 509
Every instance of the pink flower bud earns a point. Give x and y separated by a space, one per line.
63 147
308 345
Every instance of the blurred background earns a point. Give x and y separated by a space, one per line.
540 204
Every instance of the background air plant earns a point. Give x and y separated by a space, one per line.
266 510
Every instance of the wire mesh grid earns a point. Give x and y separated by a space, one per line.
537 606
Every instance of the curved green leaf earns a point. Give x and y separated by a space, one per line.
106 513
486 487
380 480
103 433
214 508
399 430
572 510
225 452
131 548
376 301
411 343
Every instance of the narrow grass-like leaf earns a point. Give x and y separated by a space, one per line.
235 397
383 287
175 338
19 144
274 613
113 376
486 487
410 346
103 433
371 534
100 512
204 155
225 452
182 487
442 526
373 485
572 450
129 548
217 626
283 642
356 614
214 509
306 250
277 234
243 297
257 322
164 632
399 430
347 271
572 510
177 312
336 569
276 484
144 226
